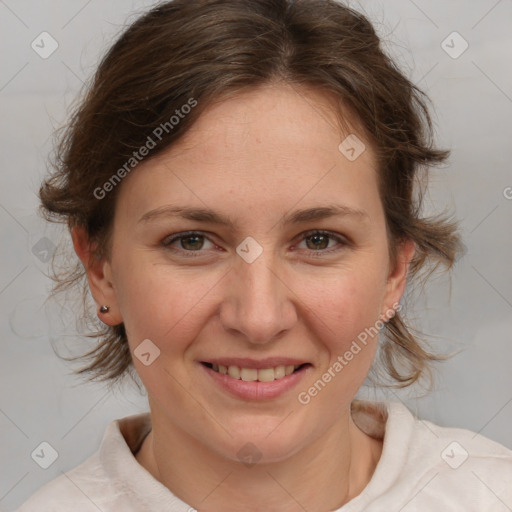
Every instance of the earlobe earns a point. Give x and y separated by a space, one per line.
98 276
397 278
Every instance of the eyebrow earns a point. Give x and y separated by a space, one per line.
213 217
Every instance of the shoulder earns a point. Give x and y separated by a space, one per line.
67 491
445 465
104 481
424 466
453 448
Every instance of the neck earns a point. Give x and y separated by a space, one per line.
323 475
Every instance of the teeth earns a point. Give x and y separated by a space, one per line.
249 374
266 375
253 374
234 371
279 372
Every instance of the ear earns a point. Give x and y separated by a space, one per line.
397 278
99 276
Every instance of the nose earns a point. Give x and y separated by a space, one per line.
258 305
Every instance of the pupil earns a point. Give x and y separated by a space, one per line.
184 241
317 237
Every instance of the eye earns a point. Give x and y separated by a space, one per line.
318 241
189 242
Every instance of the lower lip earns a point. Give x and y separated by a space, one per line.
256 390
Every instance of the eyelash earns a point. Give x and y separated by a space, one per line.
190 254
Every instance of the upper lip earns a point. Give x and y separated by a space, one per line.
246 362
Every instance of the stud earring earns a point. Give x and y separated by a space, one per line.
104 309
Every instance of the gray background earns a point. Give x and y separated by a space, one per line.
472 95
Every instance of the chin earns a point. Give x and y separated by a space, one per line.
264 445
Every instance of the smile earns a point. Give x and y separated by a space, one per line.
254 374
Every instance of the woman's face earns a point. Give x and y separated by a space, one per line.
264 287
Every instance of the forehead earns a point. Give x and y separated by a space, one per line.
285 120
274 146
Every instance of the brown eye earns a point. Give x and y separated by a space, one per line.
318 242
184 243
192 242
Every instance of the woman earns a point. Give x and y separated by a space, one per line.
239 184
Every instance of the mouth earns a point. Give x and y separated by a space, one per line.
256 380
270 374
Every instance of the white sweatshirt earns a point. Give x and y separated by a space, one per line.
423 467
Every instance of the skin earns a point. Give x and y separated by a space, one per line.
255 157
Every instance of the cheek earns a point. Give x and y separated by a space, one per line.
163 304
157 301
344 305
169 308
346 310
344 315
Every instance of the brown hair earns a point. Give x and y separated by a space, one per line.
201 51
